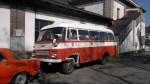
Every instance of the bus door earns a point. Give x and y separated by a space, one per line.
73 47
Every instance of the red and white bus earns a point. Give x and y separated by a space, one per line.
72 44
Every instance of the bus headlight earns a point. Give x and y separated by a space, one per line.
55 44
33 55
54 56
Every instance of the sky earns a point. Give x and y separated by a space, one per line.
146 5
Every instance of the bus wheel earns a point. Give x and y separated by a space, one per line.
68 67
105 59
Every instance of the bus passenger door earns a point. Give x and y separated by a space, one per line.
76 46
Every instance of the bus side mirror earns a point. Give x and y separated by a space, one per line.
55 42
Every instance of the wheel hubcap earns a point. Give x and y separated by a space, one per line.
21 79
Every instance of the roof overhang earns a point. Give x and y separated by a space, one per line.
129 3
81 2
132 4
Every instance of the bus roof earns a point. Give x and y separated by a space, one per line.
79 26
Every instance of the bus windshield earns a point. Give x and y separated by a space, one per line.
52 33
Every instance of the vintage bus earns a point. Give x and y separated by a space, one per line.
74 43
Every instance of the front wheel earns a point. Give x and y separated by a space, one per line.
21 78
68 67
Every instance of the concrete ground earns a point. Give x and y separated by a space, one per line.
128 69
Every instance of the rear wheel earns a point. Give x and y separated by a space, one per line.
105 59
21 78
68 67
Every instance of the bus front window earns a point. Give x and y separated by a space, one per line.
52 33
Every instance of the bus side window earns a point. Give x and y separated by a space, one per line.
94 35
103 36
83 35
110 36
72 34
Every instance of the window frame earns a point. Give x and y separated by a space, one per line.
103 39
87 31
111 37
118 13
38 26
68 34
94 38
49 33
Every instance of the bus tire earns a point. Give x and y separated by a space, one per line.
105 59
68 67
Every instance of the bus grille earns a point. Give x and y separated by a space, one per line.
42 53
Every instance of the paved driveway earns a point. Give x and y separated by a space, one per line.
125 70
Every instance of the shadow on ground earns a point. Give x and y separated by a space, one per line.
49 82
126 69
57 67
144 59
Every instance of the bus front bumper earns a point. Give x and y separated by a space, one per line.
49 60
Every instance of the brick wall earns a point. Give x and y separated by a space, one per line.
17 21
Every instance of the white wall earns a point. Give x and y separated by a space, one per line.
98 8
95 7
4 27
121 7
131 43
29 30
143 29
52 17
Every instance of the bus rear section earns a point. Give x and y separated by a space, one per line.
72 46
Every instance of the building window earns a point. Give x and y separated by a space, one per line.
118 13
39 24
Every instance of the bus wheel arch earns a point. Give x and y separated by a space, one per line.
69 64
75 58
